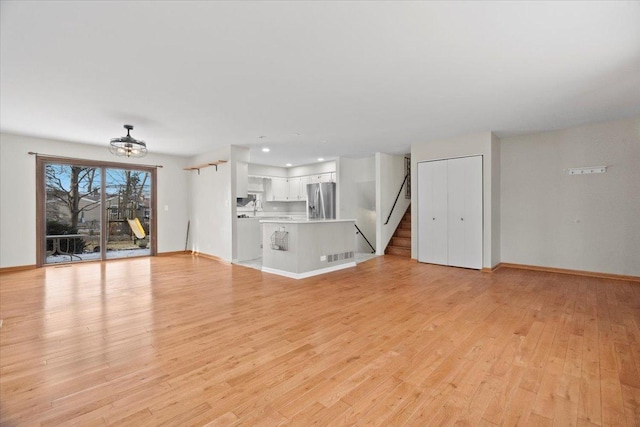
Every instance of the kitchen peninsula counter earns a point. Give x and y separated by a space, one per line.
305 248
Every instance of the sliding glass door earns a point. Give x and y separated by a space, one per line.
128 212
72 212
93 211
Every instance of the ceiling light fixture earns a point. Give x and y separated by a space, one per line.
127 146
265 150
320 159
289 165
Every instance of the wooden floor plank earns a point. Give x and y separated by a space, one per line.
182 340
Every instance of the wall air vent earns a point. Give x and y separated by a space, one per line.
340 256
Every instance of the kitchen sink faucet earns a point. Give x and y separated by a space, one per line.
256 205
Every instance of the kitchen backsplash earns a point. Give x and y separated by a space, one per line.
289 207
268 208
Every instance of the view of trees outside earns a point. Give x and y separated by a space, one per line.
73 207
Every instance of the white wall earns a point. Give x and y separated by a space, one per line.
357 196
236 155
263 170
469 145
581 222
390 174
18 193
281 208
212 206
495 201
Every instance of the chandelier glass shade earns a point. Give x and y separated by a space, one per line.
127 146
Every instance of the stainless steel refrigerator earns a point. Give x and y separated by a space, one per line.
321 200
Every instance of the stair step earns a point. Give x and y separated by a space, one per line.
404 242
403 232
396 250
400 243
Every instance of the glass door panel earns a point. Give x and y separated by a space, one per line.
127 212
72 213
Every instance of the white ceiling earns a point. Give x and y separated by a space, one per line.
314 78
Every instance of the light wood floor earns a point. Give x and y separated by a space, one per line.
188 341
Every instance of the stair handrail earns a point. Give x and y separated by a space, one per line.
373 250
397 197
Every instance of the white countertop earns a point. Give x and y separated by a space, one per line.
276 218
305 221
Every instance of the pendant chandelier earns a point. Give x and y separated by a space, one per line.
127 146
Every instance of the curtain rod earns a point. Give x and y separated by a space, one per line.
102 162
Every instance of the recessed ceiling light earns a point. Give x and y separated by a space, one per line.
265 150
289 165
320 159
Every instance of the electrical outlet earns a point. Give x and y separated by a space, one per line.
323 257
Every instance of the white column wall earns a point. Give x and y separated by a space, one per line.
495 201
389 177
212 206
357 197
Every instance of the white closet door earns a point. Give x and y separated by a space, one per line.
473 212
432 212
465 212
456 201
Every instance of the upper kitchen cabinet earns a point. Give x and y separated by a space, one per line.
286 189
297 190
256 184
303 187
277 190
242 179
322 177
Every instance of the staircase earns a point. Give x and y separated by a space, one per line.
400 243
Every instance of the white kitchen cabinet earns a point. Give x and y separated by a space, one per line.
278 190
256 184
292 189
303 187
450 212
322 177
295 189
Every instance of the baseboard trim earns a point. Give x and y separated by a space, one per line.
491 269
308 273
174 253
572 272
18 268
211 257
